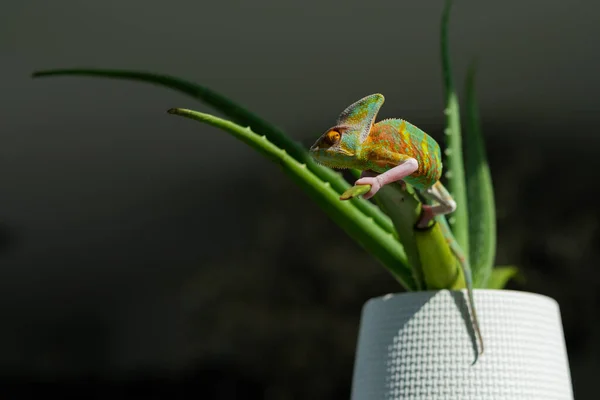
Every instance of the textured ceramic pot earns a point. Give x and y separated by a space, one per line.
418 345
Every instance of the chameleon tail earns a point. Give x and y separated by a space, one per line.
466 269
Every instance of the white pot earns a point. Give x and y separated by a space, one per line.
418 345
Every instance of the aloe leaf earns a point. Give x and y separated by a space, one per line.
404 209
455 175
360 227
441 269
429 254
480 192
238 114
355 191
500 276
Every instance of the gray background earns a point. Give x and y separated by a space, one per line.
137 241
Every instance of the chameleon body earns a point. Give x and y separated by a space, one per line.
393 150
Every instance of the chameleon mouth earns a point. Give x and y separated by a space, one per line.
328 165
336 158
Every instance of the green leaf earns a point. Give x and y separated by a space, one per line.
238 114
480 192
404 209
501 275
428 251
355 191
455 174
441 269
360 227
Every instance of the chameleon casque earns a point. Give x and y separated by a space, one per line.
393 150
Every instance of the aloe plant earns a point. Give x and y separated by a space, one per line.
386 230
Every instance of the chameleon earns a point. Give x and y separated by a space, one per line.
394 150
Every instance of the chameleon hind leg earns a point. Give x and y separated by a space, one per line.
445 204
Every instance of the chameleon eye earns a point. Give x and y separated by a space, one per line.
333 137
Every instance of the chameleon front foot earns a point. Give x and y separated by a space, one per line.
375 183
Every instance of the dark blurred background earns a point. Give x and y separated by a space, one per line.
144 255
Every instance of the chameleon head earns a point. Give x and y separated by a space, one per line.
335 148
340 146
